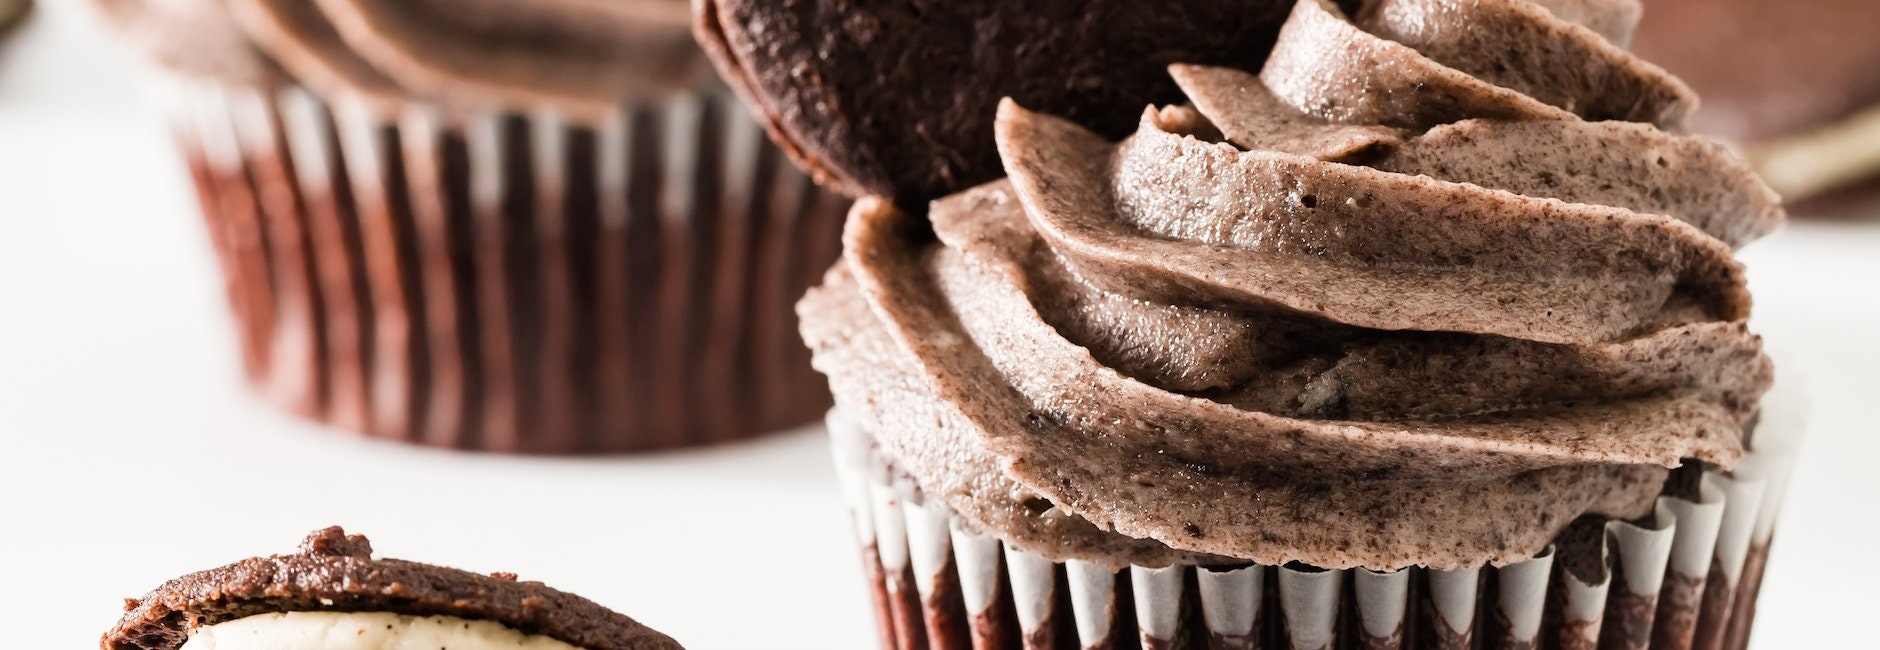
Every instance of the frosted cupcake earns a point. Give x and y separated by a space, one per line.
510 226
1791 83
1430 332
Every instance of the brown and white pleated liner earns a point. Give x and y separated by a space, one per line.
513 282
1686 576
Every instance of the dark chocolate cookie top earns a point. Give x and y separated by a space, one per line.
336 572
896 99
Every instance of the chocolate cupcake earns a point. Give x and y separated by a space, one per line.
333 594
1794 83
1428 332
511 226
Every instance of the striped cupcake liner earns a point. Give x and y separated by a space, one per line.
1684 577
512 282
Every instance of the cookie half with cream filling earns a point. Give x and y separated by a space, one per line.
333 594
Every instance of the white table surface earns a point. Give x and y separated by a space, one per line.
129 452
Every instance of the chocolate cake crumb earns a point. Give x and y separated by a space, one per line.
334 541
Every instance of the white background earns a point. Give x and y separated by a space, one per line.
130 454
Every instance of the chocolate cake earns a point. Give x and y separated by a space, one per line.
335 574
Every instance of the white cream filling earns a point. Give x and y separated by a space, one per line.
364 631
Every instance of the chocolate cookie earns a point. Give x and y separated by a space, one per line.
897 98
334 572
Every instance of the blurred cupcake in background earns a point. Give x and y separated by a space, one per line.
895 99
1794 83
534 226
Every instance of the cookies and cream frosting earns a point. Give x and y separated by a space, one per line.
1441 278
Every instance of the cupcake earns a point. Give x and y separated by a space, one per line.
333 595
1794 83
523 227
1428 332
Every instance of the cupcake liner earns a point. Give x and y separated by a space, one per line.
512 281
1684 576
1775 445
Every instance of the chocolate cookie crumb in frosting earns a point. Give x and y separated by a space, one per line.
334 573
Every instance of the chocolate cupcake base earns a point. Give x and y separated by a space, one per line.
513 282
1686 576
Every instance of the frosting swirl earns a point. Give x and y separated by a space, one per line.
582 56
1401 299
